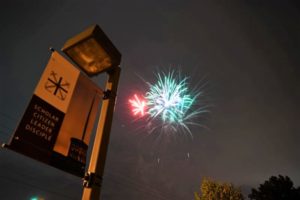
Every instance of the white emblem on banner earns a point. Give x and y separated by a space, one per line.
58 81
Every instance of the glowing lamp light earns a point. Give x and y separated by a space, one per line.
92 51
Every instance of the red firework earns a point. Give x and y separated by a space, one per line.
138 105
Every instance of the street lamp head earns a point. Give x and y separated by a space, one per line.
92 51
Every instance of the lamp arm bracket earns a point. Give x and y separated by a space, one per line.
107 94
91 179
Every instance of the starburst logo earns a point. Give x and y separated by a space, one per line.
57 86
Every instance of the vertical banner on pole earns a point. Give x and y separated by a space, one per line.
56 126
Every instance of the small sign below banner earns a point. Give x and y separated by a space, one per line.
56 126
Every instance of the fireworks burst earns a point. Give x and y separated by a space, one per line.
169 104
169 99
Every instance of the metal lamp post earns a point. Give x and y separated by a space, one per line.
93 52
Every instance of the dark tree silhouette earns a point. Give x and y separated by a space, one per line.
276 188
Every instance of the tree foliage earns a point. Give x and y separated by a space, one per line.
212 190
276 188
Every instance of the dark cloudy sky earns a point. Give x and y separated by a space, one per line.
246 51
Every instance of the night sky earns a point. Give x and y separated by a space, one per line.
244 52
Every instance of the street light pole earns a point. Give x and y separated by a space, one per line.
93 178
94 53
